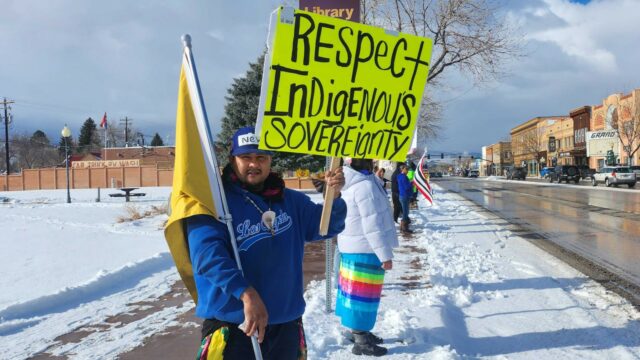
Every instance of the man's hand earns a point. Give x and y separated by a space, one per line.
255 313
387 265
335 179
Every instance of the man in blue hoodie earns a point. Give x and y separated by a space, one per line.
271 225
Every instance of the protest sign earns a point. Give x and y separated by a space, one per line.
337 88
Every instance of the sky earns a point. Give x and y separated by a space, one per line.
64 61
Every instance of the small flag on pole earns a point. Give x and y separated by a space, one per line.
422 183
103 123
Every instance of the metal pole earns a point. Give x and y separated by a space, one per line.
66 163
6 139
328 256
328 274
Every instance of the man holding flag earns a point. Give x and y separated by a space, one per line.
237 238
272 224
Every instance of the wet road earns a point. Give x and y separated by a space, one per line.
601 225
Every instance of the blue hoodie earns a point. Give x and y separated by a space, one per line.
271 264
404 186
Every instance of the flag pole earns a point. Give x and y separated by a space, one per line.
106 127
203 123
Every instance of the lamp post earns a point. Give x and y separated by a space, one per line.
66 133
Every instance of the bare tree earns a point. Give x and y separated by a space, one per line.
116 136
626 120
468 35
33 151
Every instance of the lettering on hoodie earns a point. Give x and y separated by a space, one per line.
248 234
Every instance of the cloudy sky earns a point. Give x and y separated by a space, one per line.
63 61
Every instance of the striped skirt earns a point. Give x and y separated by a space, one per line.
359 288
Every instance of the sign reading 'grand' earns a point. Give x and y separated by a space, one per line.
339 88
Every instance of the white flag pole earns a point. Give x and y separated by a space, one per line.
213 171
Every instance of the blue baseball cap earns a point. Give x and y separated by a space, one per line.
245 141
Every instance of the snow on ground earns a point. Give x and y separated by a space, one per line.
65 266
462 287
465 287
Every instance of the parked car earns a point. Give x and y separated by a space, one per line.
614 175
586 172
566 173
635 169
516 172
544 173
436 174
474 173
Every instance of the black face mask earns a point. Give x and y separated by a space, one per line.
273 189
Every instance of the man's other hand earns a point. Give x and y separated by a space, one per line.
335 179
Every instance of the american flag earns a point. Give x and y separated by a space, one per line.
103 123
421 182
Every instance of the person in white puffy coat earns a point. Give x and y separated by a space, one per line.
366 251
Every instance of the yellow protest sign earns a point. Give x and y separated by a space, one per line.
337 88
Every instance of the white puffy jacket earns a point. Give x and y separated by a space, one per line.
369 226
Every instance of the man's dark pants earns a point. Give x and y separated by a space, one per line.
397 208
281 341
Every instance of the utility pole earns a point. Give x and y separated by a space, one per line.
5 103
126 122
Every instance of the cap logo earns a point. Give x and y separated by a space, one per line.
247 139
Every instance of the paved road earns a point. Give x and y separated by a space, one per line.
600 224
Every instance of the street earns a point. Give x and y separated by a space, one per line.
598 224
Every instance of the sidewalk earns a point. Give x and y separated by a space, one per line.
465 286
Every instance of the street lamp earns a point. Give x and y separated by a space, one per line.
66 133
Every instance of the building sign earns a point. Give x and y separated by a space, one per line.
599 142
343 9
579 136
552 144
337 88
565 154
603 135
105 164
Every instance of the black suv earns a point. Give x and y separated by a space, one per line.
586 172
516 172
566 173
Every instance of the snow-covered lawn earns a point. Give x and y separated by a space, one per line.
462 287
65 266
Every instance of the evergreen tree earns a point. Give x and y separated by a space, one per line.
61 146
88 135
40 138
157 140
241 110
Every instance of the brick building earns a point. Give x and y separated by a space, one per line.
161 156
557 139
610 124
530 143
581 118
495 158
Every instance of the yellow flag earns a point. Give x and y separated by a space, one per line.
196 179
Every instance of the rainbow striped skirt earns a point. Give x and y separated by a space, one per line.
359 289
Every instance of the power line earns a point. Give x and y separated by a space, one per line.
30 103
